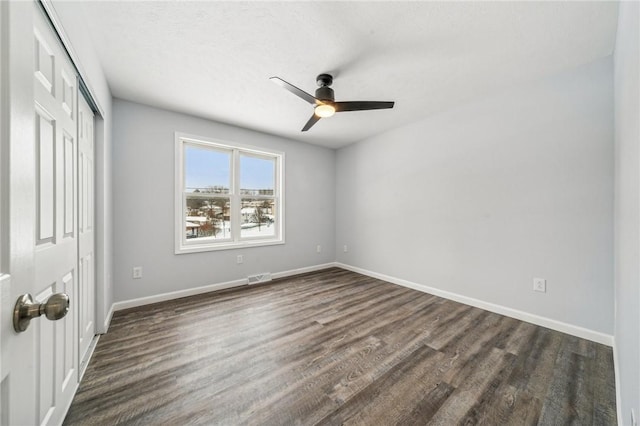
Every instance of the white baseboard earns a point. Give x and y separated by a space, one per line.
132 303
616 375
107 320
573 330
313 268
84 363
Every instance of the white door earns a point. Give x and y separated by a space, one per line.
86 298
39 367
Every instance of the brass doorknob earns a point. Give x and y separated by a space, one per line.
54 308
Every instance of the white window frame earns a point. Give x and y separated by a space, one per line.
184 245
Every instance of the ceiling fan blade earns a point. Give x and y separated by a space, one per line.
293 89
313 120
361 105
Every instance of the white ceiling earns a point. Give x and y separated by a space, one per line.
214 59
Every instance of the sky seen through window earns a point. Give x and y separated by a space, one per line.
208 168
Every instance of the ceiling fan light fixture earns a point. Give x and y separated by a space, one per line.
325 110
324 103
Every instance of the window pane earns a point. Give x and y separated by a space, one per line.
206 170
207 218
258 218
257 175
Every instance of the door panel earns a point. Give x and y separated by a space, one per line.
69 190
56 245
45 172
44 62
86 288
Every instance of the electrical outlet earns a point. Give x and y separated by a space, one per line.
239 259
540 284
345 248
137 272
318 248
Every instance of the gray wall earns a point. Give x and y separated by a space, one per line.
627 210
143 187
479 200
87 61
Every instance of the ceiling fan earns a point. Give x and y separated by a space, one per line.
324 102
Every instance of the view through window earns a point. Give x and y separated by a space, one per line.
229 195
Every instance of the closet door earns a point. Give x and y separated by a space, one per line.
86 270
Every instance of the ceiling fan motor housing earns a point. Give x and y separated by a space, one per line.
325 93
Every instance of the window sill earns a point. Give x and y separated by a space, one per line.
198 248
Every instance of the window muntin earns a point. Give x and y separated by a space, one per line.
227 196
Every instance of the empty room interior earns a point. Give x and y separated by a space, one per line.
278 213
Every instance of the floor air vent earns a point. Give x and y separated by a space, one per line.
259 278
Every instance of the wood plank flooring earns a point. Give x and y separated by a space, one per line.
335 347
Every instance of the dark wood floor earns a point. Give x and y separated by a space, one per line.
334 347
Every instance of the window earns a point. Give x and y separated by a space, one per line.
227 195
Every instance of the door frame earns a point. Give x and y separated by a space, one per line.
5 284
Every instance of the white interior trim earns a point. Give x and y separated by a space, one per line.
616 375
132 303
85 363
50 10
162 297
107 320
562 327
291 272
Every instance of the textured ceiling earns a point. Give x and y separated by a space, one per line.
214 59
